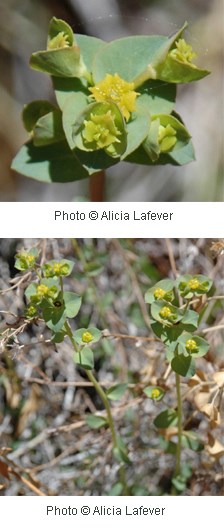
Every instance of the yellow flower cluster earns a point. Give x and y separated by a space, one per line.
115 89
167 138
60 41
165 312
194 284
191 345
87 337
155 393
183 52
159 293
101 130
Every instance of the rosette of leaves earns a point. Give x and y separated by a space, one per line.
114 101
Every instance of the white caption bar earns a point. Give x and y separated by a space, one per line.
62 219
111 513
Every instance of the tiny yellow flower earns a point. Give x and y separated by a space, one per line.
115 89
183 52
167 138
42 290
101 130
155 393
159 293
165 312
31 311
87 337
194 284
191 345
60 41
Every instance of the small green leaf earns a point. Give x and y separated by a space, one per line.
95 421
48 129
84 358
116 392
183 365
190 440
167 418
92 269
137 129
72 304
54 317
56 26
35 110
58 337
116 489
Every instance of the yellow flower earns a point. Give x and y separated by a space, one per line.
194 284
115 89
191 345
155 393
42 290
183 52
159 293
60 41
87 337
165 312
101 130
167 138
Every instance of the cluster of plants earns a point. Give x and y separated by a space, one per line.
174 321
114 102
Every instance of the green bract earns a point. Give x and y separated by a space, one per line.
115 101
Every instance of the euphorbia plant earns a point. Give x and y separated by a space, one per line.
175 323
46 299
114 101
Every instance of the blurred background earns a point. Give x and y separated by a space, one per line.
23 29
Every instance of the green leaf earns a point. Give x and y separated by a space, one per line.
63 62
190 317
154 392
183 365
190 440
167 418
157 96
95 161
202 345
54 317
73 108
137 129
127 57
92 269
35 110
120 452
175 71
72 304
49 163
116 392
48 129
116 489
84 358
58 337
56 26
95 421
89 47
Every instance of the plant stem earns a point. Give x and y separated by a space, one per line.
97 186
106 403
179 414
104 398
